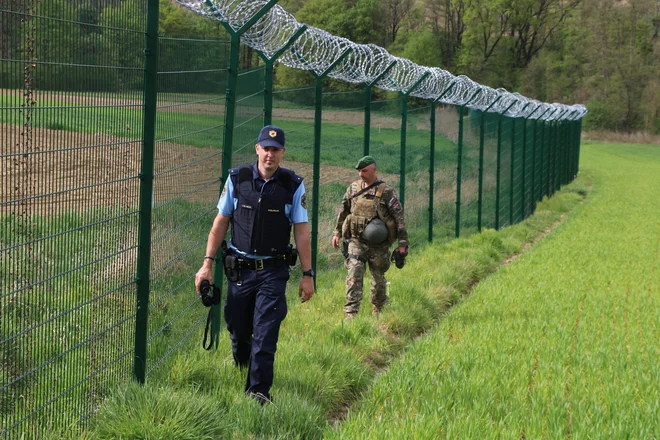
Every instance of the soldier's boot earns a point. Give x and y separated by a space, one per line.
378 309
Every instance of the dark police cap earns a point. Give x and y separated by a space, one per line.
271 136
365 161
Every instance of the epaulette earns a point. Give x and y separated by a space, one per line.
244 174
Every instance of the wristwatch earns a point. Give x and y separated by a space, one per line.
309 273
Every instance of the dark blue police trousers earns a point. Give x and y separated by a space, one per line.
253 312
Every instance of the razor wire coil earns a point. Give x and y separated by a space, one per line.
317 50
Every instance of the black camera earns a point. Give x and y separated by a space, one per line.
209 293
398 258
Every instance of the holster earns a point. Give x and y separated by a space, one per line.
344 249
230 263
291 255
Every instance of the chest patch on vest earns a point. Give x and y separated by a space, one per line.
273 210
246 206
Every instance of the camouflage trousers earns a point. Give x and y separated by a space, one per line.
378 259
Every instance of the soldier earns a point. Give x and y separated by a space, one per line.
262 202
370 219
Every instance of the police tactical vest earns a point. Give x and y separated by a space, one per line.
259 222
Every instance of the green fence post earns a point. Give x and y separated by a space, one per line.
318 113
432 158
513 156
459 166
523 206
574 144
534 199
268 80
543 154
481 162
143 276
524 166
367 107
569 148
548 125
431 171
499 165
553 162
404 130
558 146
579 145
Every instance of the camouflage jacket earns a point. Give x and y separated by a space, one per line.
389 209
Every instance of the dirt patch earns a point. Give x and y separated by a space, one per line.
50 171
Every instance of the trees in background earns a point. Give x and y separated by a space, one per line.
604 53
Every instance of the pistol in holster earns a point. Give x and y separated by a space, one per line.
230 263
291 255
344 249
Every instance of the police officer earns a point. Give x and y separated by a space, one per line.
261 202
370 219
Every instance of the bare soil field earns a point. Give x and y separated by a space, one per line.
49 171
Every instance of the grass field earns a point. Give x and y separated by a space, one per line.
562 343
328 370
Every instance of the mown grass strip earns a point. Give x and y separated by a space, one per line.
560 344
323 364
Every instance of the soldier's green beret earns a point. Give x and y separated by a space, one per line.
366 160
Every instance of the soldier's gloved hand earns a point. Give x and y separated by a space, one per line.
398 257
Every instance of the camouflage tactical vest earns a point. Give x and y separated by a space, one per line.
363 209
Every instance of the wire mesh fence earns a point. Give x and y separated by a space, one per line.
116 141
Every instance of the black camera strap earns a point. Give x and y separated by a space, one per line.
209 319
206 332
214 300
364 190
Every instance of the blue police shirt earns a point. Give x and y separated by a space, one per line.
295 212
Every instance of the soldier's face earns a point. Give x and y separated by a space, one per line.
368 174
269 157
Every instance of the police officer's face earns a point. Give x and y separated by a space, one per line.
269 157
368 174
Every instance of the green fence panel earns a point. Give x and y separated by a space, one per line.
71 127
505 172
528 169
417 170
470 173
489 172
189 136
444 186
517 168
342 144
249 114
